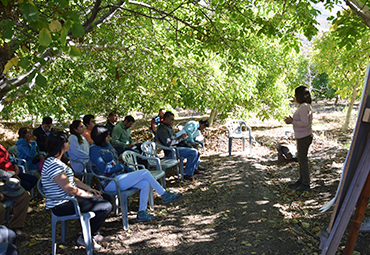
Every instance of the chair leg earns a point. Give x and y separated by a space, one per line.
86 232
151 199
181 170
230 145
115 200
53 233
63 230
123 201
164 181
243 144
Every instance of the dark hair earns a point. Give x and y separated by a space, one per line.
162 109
55 143
98 134
167 114
86 119
75 124
112 114
129 118
22 132
302 95
204 121
47 120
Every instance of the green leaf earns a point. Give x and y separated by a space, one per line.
24 62
68 24
63 35
30 12
72 15
74 53
41 80
78 30
5 2
63 3
44 37
7 27
31 76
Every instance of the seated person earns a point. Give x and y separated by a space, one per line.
58 181
79 148
112 118
193 129
8 164
167 137
89 122
12 190
105 158
7 239
28 149
42 132
156 121
121 136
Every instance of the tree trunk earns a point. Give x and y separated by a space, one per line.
350 106
212 116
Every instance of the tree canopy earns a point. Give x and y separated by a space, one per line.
71 57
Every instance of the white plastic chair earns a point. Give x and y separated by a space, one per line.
130 158
83 217
150 150
236 131
175 154
119 196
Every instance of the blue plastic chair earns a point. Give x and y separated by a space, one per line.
119 196
83 217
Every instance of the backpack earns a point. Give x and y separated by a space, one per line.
286 152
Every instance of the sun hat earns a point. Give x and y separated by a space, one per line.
12 187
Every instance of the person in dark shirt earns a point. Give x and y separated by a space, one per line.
42 132
112 119
156 121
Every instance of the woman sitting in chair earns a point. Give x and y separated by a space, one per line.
79 147
104 156
58 181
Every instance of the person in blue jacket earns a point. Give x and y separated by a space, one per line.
28 149
192 128
105 158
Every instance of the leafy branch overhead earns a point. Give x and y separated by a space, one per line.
219 54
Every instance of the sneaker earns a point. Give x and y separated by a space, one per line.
189 177
201 167
365 225
169 197
144 216
95 245
196 171
99 238
303 187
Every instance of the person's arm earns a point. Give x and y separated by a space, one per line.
26 151
75 151
83 186
165 138
116 135
64 183
191 129
101 164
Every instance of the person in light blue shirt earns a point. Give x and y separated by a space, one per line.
193 129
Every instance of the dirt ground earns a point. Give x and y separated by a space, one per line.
241 205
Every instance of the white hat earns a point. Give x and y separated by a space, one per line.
12 187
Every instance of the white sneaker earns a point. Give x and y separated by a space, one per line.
365 225
95 245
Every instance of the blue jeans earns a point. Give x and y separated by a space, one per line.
141 179
192 157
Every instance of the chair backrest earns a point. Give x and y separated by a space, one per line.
150 150
13 151
235 126
129 157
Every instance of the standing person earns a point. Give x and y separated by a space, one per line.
28 149
42 132
105 158
302 126
58 181
112 118
89 122
156 121
121 136
79 148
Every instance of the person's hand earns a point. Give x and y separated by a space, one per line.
184 136
16 169
33 138
288 120
1 197
41 157
95 193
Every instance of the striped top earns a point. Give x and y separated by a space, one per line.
53 167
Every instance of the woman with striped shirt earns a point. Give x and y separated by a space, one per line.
58 181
